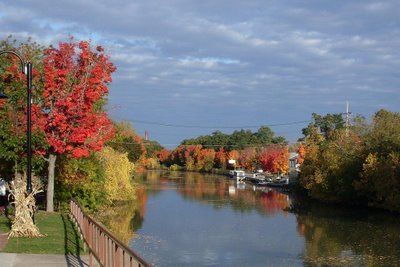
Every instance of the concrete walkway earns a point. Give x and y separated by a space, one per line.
45 260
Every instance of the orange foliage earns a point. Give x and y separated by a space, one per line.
234 154
275 159
221 158
302 154
247 158
163 155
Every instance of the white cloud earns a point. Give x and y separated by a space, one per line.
176 55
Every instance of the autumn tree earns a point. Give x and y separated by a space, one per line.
126 140
302 153
247 158
76 79
379 178
118 173
221 158
281 163
331 166
275 159
163 155
191 155
205 159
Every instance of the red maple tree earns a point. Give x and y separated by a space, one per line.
76 81
275 159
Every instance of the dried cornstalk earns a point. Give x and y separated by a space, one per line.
22 225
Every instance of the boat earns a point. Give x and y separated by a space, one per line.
270 182
255 175
262 183
237 173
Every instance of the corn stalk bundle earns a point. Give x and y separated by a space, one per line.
22 224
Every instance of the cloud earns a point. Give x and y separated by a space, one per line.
219 62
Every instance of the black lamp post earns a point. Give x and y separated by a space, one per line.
26 68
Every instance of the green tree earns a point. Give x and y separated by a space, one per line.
12 110
127 141
326 124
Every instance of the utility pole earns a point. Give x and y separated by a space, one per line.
347 113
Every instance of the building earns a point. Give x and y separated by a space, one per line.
294 167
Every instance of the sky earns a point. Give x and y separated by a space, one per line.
228 64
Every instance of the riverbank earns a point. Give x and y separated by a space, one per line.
61 236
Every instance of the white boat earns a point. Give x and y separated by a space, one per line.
255 176
237 173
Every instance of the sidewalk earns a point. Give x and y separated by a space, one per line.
36 260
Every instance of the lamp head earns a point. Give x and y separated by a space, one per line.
3 96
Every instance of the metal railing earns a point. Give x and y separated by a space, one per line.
102 244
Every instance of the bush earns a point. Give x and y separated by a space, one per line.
175 167
152 164
118 171
96 181
82 179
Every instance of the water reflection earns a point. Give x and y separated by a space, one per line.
219 191
124 218
342 237
199 219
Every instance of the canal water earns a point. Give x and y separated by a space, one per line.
193 219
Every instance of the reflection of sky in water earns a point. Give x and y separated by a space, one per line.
179 231
204 220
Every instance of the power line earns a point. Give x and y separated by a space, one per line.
213 145
217 127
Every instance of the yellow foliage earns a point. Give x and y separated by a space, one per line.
118 173
152 164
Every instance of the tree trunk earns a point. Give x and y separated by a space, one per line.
50 183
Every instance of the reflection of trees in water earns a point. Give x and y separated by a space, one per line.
333 237
123 218
338 238
214 190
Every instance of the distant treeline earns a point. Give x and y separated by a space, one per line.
238 140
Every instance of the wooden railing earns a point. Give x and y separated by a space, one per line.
102 244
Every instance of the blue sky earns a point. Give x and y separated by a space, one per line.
229 63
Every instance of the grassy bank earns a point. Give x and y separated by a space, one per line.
61 236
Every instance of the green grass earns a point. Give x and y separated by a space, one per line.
4 224
61 236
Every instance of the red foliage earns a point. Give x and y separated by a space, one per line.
275 159
76 79
221 158
163 155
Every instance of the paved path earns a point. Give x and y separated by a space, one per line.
45 260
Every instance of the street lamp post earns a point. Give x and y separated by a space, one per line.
26 68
